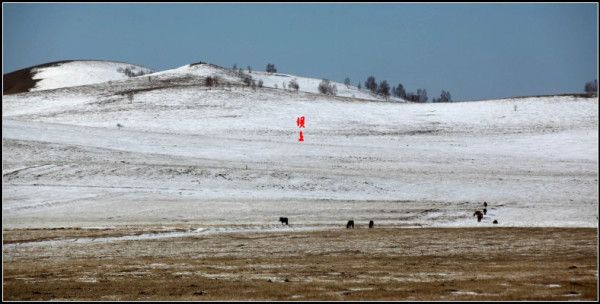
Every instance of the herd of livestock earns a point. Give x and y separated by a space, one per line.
350 224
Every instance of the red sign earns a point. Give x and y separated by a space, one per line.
300 122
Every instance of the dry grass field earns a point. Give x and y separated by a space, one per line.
361 264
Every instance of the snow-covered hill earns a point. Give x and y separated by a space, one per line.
75 73
164 148
84 72
272 80
78 73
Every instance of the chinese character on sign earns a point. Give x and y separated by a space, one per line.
301 138
300 122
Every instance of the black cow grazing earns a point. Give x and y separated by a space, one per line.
371 224
484 204
495 221
479 215
284 220
350 224
484 211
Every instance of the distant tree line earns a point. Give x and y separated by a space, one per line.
383 89
270 68
250 82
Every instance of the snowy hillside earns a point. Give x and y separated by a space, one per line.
200 71
164 148
78 73
272 80
311 85
75 73
86 72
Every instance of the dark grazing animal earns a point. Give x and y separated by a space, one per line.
484 211
484 204
350 224
495 221
284 220
371 224
479 215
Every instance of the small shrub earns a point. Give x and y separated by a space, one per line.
247 80
327 88
211 81
130 71
293 85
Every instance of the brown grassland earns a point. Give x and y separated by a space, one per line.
361 264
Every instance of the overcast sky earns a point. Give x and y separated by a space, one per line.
475 51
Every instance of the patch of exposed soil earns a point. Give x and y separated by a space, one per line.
360 264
